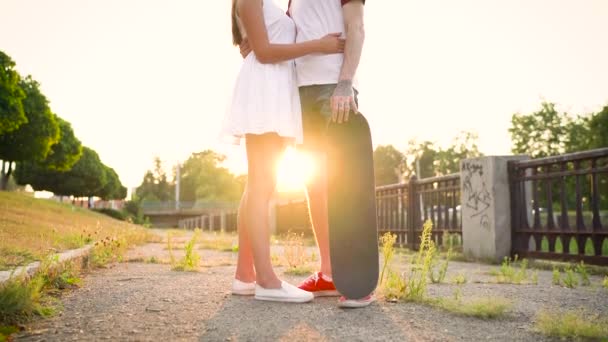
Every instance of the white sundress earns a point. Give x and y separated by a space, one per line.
265 98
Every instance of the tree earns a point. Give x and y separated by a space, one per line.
11 95
433 161
155 186
598 127
32 140
113 188
202 178
547 132
421 159
66 152
463 146
388 165
86 178
540 134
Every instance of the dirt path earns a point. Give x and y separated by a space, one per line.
149 302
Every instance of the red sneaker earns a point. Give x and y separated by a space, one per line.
319 286
356 303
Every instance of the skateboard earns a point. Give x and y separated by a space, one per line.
353 233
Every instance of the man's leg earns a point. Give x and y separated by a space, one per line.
315 115
316 192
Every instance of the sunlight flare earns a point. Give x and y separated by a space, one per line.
294 170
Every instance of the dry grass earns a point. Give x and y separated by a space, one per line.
223 242
31 228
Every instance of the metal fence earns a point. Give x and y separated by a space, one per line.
436 199
403 208
559 207
220 221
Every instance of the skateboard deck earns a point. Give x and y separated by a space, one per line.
353 233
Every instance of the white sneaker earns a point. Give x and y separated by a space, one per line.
241 288
287 293
343 302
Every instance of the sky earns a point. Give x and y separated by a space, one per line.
145 78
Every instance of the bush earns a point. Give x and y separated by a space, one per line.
119 215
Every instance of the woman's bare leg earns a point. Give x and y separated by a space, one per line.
263 152
245 270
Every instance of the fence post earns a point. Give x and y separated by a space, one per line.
412 213
486 207
222 221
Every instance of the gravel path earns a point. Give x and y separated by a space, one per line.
139 301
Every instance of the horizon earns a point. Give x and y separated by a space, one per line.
153 78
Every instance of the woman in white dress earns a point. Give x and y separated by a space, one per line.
266 113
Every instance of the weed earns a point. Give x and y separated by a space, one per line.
413 288
534 278
6 332
153 260
313 257
484 308
191 260
395 287
108 250
605 282
507 274
443 269
388 242
570 280
572 324
299 270
293 250
459 279
556 276
220 242
276 260
583 274
170 248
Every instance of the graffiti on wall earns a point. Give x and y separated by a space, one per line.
476 193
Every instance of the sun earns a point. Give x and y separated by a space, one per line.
294 170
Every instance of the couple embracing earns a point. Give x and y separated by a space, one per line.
297 75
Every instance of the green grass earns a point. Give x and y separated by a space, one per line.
605 282
23 298
574 324
559 247
483 308
6 332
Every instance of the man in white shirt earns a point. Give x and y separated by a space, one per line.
327 92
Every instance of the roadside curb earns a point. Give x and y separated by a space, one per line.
32 268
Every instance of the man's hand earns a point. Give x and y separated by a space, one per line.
343 101
244 47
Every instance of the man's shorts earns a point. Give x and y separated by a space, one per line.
316 114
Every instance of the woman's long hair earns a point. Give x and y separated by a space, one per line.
237 37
